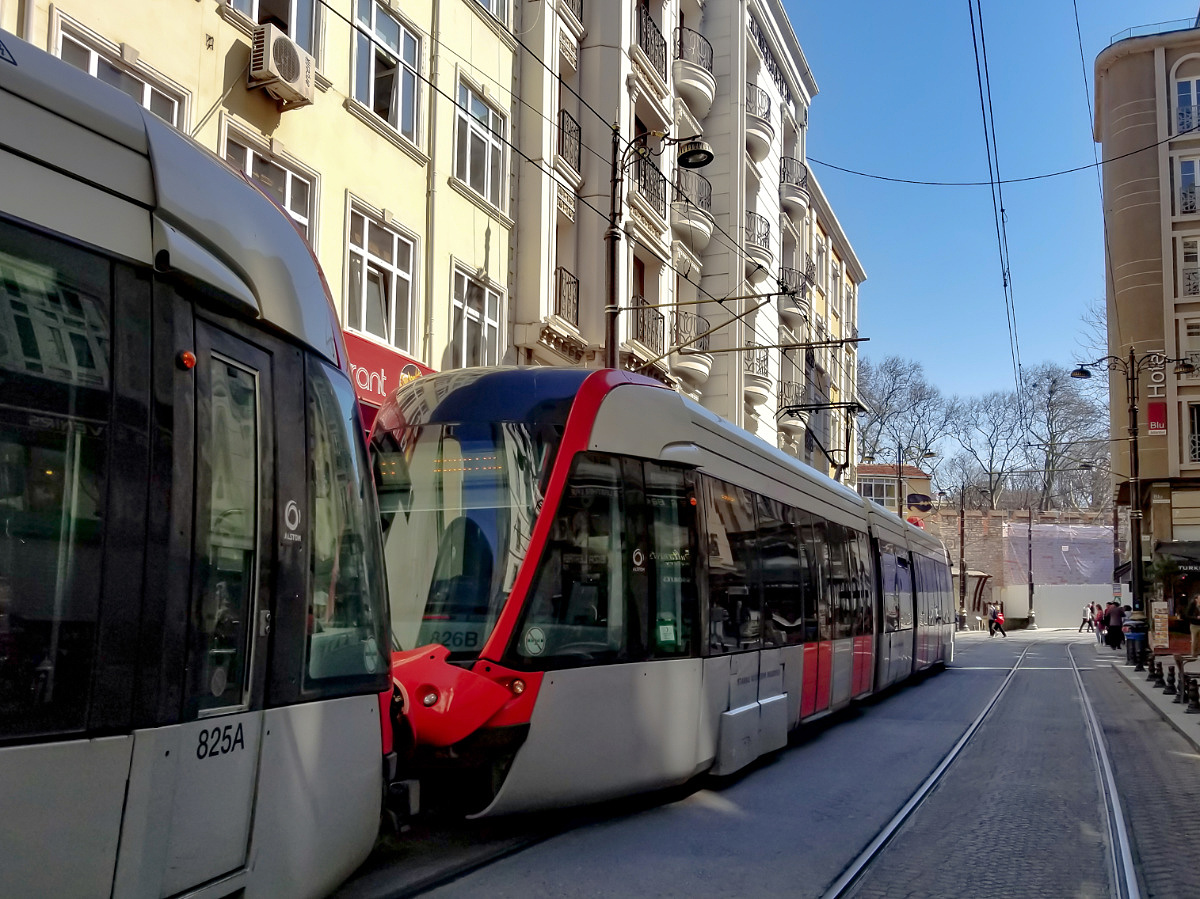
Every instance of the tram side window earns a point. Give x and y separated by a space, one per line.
815 534
346 612
579 608
734 612
671 504
860 580
778 571
896 588
806 599
840 587
55 383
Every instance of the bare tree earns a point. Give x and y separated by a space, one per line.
992 436
907 416
1068 430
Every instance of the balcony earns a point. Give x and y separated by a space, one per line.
760 134
794 306
1191 282
791 393
690 360
693 71
653 44
566 296
793 185
756 377
648 326
576 8
651 184
759 258
569 139
1186 118
691 210
1187 200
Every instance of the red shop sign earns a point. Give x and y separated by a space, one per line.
1156 418
377 370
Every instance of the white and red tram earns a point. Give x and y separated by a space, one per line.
598 587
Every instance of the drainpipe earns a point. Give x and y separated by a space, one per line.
435 40
27 31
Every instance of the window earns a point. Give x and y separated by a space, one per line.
779 573
296 18
1187 98
580 605
1189 270
476 323
896 588
385 67
346 636
498 8
479 151
882 492
379 300
293 191
159 99
1187 186
1191 345
670 504
1194 432
55 305
734 612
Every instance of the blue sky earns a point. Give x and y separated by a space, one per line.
898 97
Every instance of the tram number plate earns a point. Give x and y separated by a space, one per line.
456 639
219 741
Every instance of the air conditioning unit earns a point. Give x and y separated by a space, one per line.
279 65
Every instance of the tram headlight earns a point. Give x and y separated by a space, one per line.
517 686
429 697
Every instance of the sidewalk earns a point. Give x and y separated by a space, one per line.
1168 709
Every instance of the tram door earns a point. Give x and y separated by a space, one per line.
229 615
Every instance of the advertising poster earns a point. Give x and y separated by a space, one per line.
1159 636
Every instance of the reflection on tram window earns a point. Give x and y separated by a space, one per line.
778 571
672 513
54 380
734 609
345 615
579 607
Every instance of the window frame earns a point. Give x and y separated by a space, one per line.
406 71
253 12
459 348
498 9
469 128
258 150
394 272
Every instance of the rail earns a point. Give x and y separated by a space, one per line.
566 295
793 171
1156 28
569 139
694 188
791 394
686 328
693 47
756 361
651 184
794 281
758 230
758 102
648 325
652 42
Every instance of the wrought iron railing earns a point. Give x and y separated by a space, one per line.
758 230
686 328
651 184
758 102
793 171
1191 282
769 61
648 325
1187 200
692 187
652 42
576 8
566 295
793 279
569 141
755 361
693 47
1186 118
791 394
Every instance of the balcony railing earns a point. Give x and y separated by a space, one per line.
692 187
755 361
568 138
793 171
566 295
692 46
758 102
685 328
791 394
1156 28
758 230
793 280
576 7
1187 200
769 61
1191 282
653 44
648 325
651 184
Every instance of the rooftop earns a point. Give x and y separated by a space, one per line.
1156 28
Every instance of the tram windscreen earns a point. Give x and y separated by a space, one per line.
458 503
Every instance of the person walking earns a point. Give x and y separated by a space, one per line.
1098 620
991 620
1088 612
1000 622
1114 617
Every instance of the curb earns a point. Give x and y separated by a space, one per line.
1188 726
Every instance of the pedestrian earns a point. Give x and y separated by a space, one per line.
1099 623
991 620
1191 615
1113 618
1088 611
1000 622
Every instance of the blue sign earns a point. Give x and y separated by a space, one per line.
5 56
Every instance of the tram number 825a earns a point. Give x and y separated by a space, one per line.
219 741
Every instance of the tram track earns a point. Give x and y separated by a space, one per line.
1121 865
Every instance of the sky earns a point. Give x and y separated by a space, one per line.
898 96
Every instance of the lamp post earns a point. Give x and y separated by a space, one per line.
694 153
962 547
1131 366
902 453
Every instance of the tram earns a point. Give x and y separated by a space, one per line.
193 622
598 587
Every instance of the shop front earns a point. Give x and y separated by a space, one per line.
377 371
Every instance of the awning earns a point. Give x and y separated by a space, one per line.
1185 554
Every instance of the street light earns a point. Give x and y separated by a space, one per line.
962 546
694 153
1131 366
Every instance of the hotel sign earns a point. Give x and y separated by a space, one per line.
1156 418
